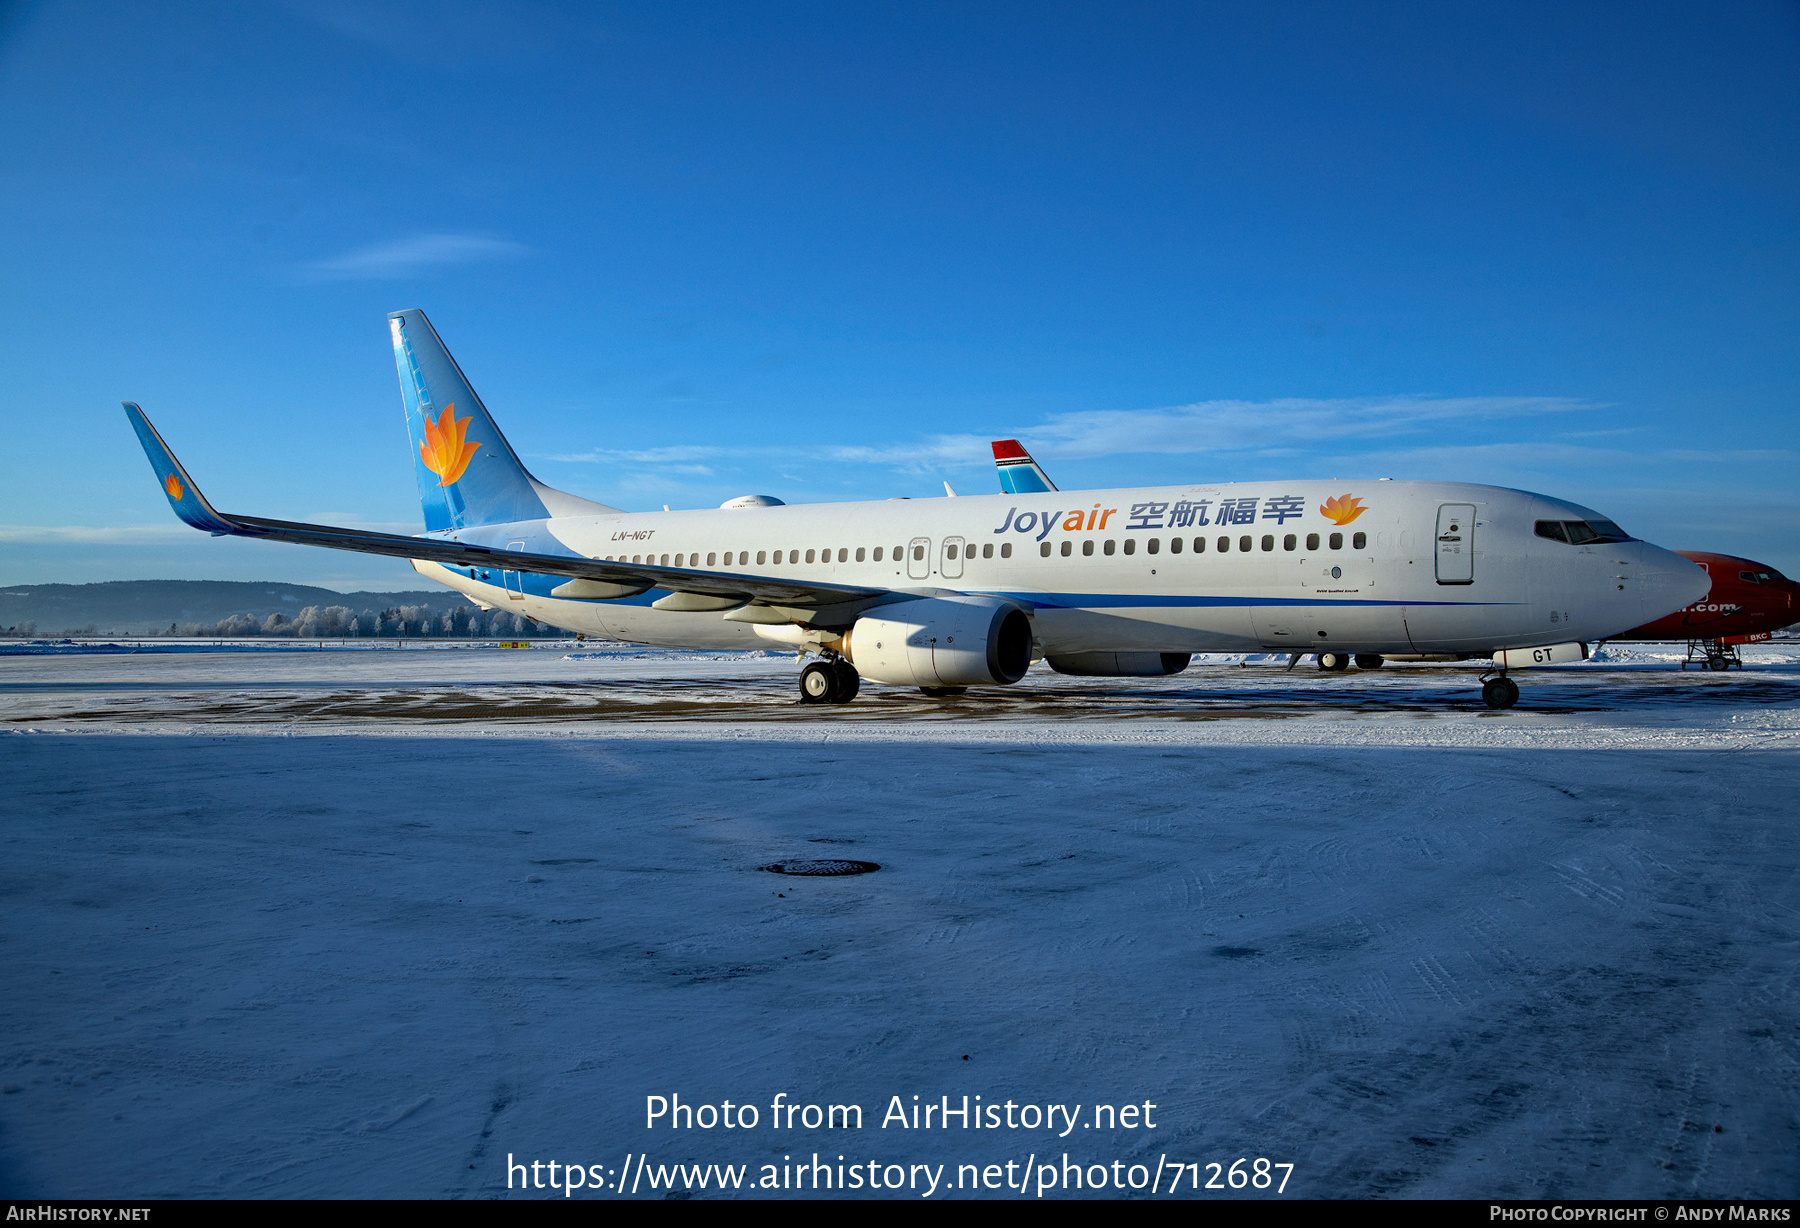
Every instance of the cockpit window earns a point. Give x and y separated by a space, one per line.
1756 577
1582 532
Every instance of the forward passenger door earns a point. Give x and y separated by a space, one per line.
1456 544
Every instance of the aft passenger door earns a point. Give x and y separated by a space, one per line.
918 558
1456 544
952 564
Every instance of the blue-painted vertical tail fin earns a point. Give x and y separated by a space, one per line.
468 474
1019 474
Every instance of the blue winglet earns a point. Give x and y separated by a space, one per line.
183 495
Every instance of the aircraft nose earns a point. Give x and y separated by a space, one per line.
1667 582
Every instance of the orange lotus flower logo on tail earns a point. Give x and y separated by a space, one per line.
1342 509
444 451
172 484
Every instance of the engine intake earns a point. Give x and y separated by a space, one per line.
942 641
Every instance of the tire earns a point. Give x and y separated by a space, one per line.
849 682
818 684
1500 692
1333 662
1718 663
1370 660
942 692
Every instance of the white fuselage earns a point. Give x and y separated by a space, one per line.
1394 578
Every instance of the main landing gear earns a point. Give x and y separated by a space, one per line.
834 681
1337 662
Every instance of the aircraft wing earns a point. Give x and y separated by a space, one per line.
192 507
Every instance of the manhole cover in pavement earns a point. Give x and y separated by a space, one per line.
824 869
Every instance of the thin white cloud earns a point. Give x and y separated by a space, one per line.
930 454
678 454
1519 456
172 534
97 535
404 257
1277 429
1239 426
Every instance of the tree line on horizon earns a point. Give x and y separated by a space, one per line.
341 622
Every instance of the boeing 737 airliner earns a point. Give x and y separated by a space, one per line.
944 594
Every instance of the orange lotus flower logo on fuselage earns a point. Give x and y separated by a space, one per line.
1342 509
444 451
172 484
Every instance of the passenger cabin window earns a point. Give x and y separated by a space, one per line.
1106 547
1289 542
1268 541
878 554
1174 545
1067 547
1244 544
1044 549
1312 542
1131 545
950 550
759 558
1199 545
860 551
1006 550
1087 547
1152 546
1225 545
1359 542
1337 541
918 553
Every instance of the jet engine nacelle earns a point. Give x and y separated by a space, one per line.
942 641
1121 664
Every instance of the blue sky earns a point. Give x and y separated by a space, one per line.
687 252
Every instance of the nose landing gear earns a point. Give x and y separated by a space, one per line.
1499 692
1713 655
829 682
